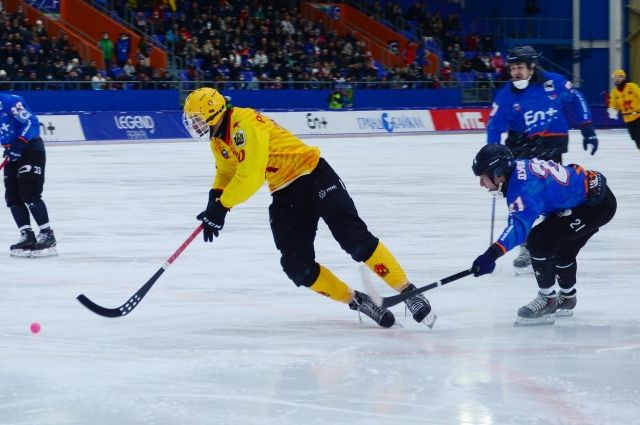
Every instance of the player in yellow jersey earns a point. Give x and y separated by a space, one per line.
250 148
625 99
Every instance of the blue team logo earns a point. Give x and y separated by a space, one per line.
389 126
517 107
548 85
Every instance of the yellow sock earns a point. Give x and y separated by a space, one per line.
384 264
331 286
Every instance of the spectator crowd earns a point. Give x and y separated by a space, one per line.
243 45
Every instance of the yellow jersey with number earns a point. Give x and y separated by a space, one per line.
626 101
250 148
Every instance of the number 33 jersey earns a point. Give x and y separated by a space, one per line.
536 188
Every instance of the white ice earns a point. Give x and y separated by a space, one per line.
225 338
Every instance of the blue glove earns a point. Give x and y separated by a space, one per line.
213 216
14 150
589 137
486 262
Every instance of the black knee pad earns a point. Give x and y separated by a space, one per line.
544 269
12 200
29 193
566 269
301 272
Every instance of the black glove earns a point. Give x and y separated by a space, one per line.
589 137
486 262
213 216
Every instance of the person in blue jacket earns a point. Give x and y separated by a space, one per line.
574 203
24 172
537 110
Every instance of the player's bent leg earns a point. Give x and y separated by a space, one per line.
384 264
566 269
302 270
331 286
541 310
319 279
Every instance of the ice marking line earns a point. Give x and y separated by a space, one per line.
294 404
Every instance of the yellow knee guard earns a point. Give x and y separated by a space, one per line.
329 285
384 264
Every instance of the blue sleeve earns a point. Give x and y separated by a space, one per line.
523 212
576 102
29 126
498 120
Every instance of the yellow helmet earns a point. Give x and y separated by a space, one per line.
202 109
619 73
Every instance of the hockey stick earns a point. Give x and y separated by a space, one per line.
397 299
135 299
6 159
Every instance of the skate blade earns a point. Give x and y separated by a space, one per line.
564 313
546 320
430 320
24 253
47 252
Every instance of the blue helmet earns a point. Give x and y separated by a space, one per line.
493 161
523 54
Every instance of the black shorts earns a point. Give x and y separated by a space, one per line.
297 208
24 178
564 235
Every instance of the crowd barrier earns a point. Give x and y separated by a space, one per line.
157 125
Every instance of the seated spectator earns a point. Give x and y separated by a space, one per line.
91 69
128 69
98 82
498 63
446 72
3 80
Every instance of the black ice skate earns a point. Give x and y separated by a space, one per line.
45 245
420 308
24 245
566 302
522 262
540 311
362 303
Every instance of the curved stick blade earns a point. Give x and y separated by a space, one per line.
102 311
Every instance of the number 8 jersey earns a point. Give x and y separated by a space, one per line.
536 188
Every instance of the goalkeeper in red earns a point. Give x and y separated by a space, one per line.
249 149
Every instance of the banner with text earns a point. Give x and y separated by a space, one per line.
133 125
104 126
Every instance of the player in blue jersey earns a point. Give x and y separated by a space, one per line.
574 204
536 109
24 177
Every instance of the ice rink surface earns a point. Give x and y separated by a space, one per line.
225 338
